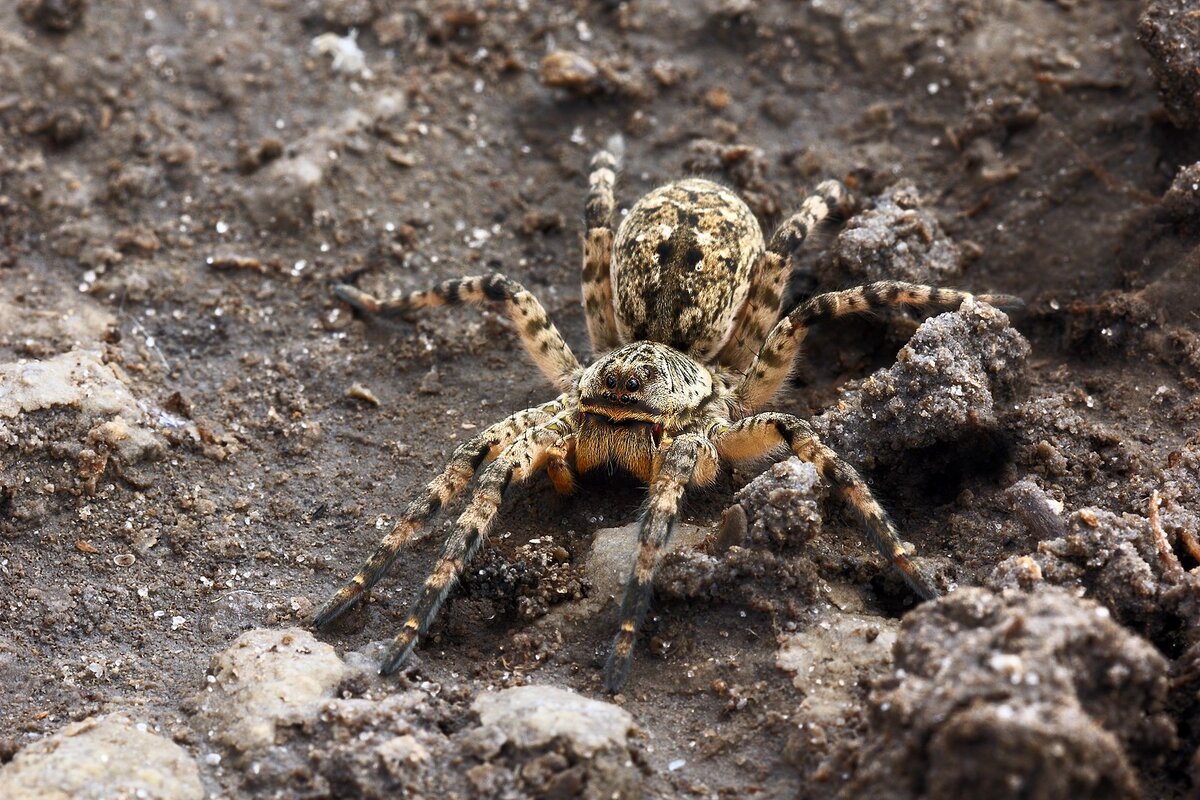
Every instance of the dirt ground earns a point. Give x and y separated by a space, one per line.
184 459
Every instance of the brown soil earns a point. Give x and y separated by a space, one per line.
181 184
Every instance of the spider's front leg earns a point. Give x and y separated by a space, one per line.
690 460
518 461
440 491
756 436
540 337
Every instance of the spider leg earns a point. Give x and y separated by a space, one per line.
440 491
521 459
758 435
597 248
688 460
768 281
558 465
770 276
777 355
541 339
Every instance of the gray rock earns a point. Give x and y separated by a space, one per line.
950 381
268 679
560 743
759 558
80 380
101 758
830 660
783 504
1182 200
104 426
614 550
535 716
1108 557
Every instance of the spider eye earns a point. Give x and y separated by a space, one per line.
633 384
611 381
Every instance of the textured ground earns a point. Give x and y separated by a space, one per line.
183 462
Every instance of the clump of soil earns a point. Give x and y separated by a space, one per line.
894 238
1016 695
952 382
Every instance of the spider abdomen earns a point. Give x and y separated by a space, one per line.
682 261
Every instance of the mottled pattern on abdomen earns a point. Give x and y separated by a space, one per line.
681 266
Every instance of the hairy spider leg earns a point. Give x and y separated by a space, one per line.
597 248
517 462
777 355
539 336
769 280
691 460
757 436
463 465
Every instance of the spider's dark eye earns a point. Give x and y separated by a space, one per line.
611 381
633 384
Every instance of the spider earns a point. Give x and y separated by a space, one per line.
683 308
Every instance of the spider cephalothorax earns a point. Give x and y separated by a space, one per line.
683 310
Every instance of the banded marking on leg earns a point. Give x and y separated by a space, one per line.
829 197
602 179
522 458
437 493
773 270
776 358
890 294
597 249
689 459
538 334
758 435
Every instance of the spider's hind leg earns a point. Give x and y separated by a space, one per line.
597 248
774 268
777 355
756 436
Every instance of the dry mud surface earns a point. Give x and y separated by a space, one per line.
198 443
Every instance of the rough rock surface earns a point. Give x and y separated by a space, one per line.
101 758
1110 558
1182 200
1014 695
950 382
77 380
567 745
894 239
829 660
758 559
77 413
267 680
1167 29
614 551
389 743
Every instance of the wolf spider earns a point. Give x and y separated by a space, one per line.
683 309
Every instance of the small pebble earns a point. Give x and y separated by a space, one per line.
564 69
360 392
